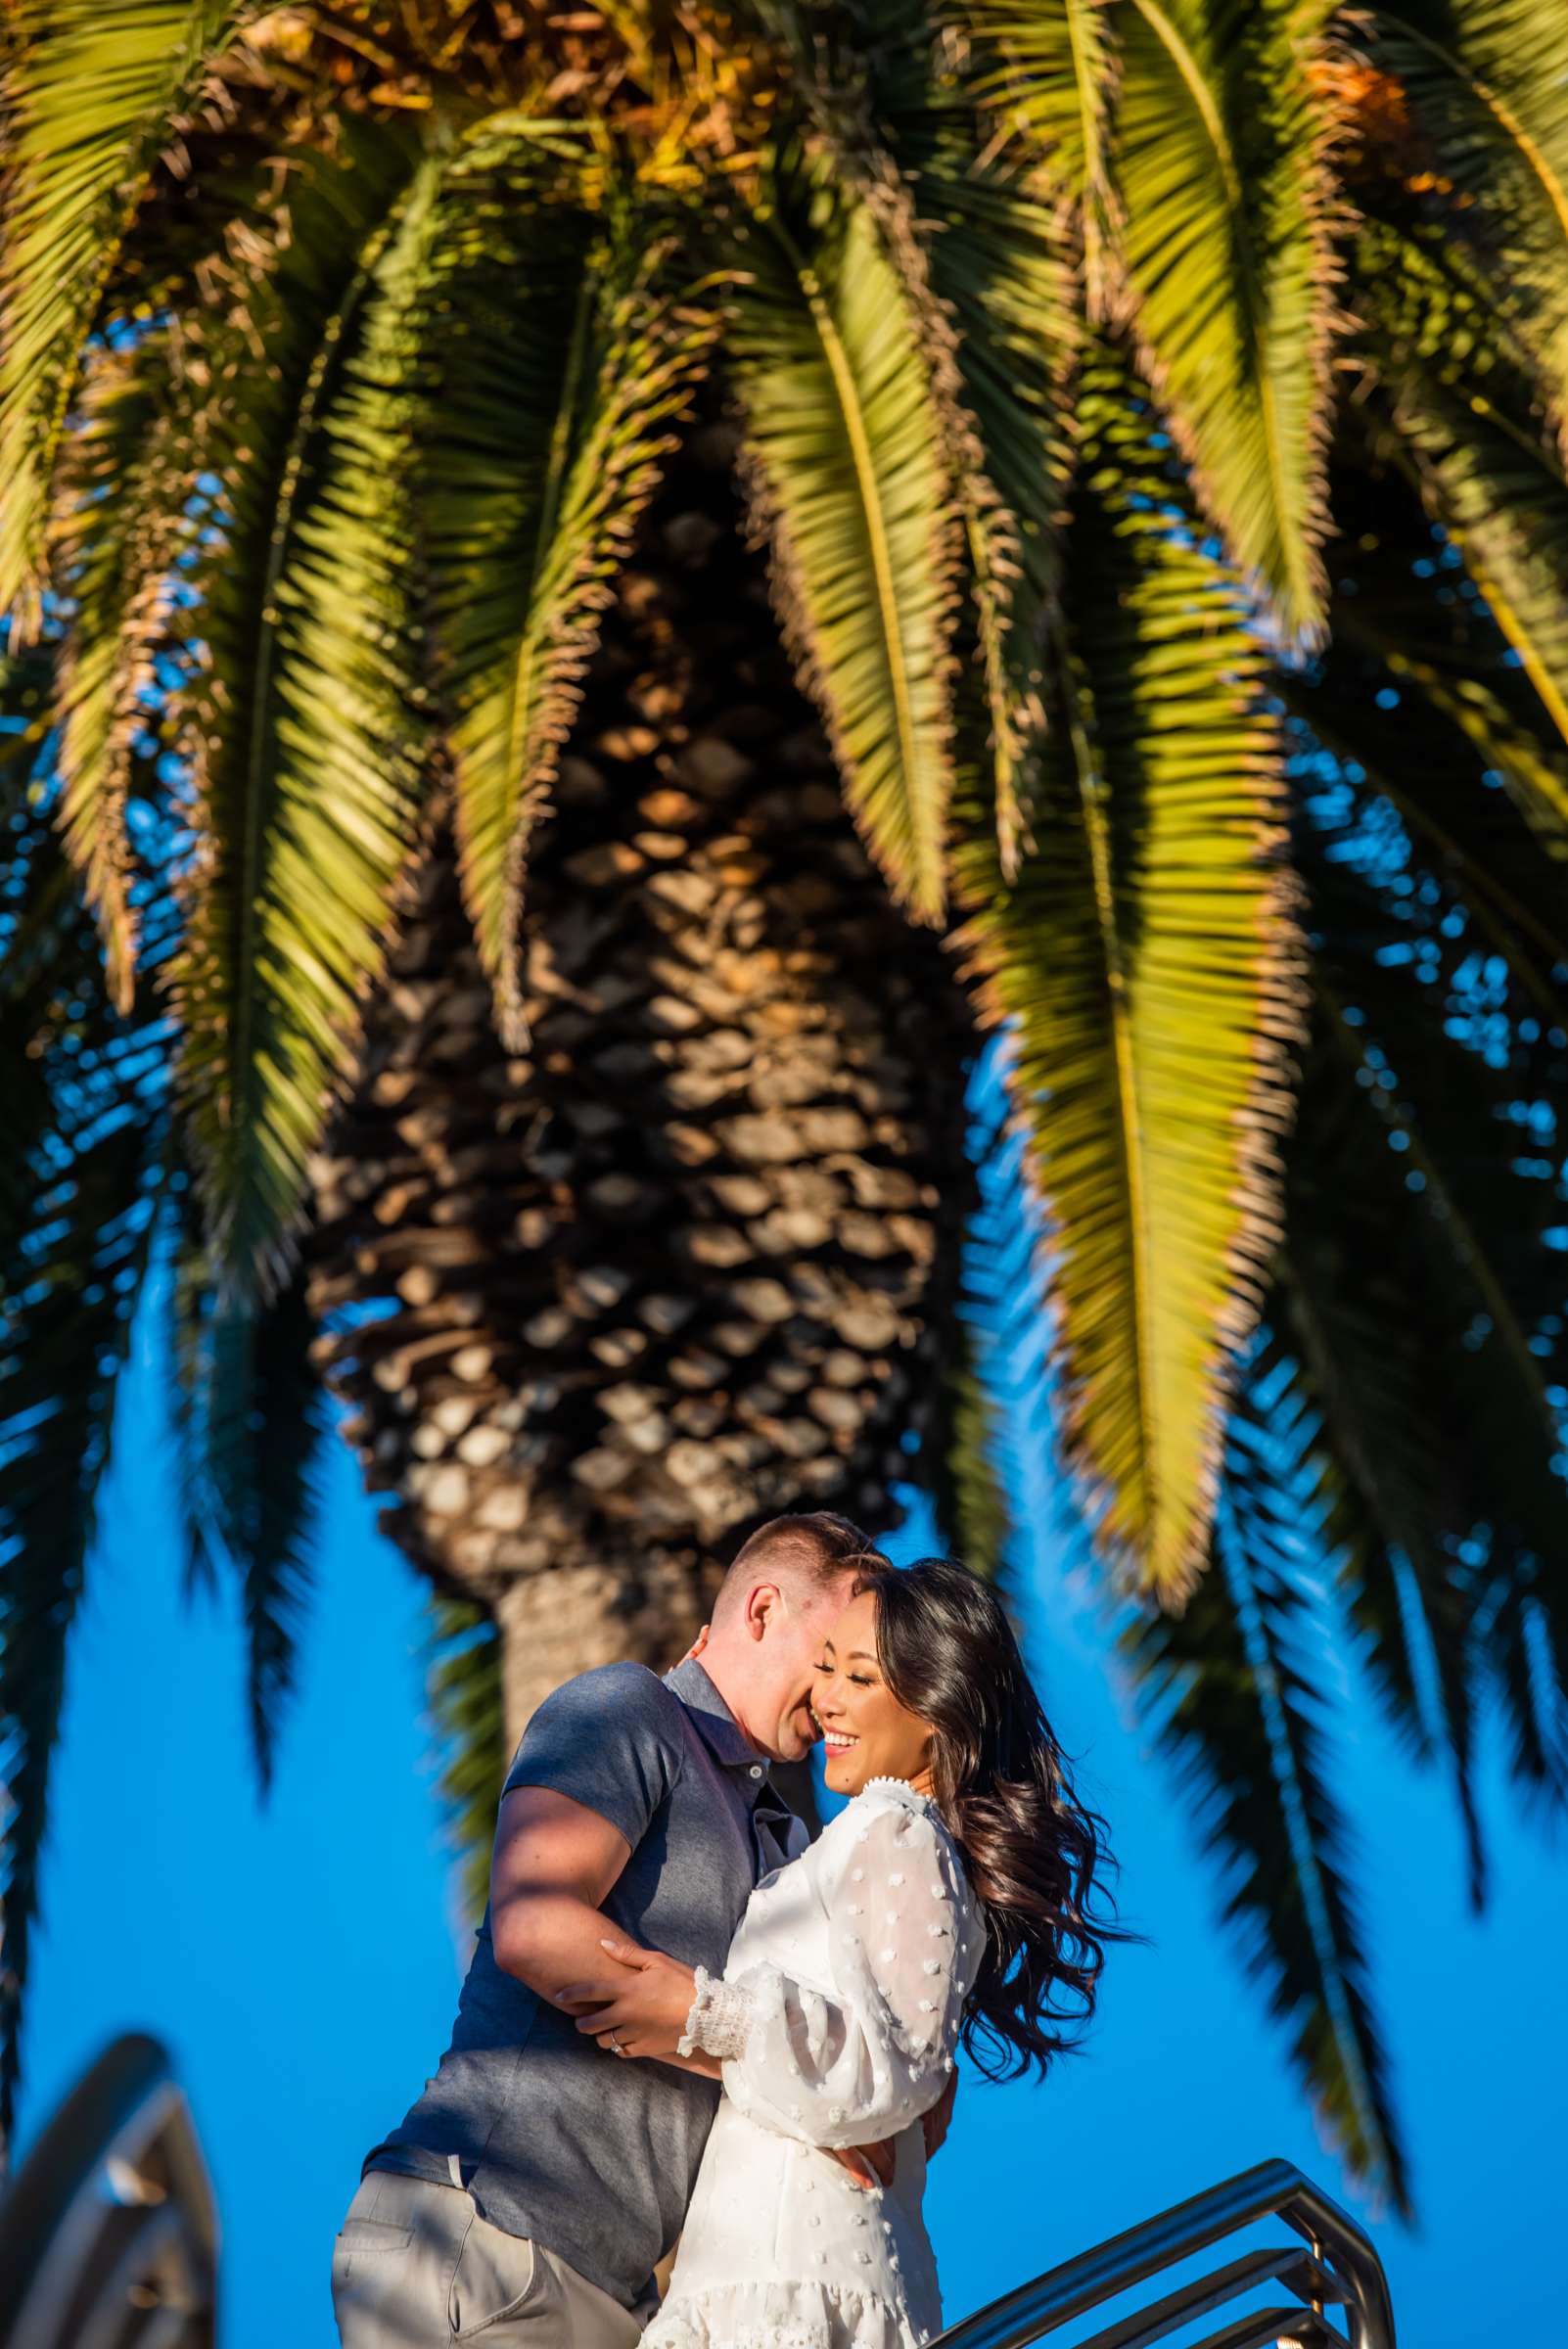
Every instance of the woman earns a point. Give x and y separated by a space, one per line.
948 1903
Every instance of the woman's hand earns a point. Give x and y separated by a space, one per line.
637 2007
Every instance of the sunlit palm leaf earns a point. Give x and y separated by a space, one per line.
118 535
91 93
1489 81
1145 963
1000 266
541 433
998 263
1007 614
844 447
1233 1689
1052 72
307 750
1220 162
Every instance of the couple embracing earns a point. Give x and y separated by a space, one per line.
684 2022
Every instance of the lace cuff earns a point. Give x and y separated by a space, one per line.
719 2020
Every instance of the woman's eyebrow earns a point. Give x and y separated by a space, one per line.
862 1655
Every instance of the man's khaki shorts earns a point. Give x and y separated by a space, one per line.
415 2266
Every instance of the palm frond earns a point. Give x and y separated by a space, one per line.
999 267
541 434
1420 686
1487 80
1391 1450
464 1684
1004 607
1383 714
33 903
117 540
972 1459
1232 1689
307 748
1422 1238
844 447
1533 771
969 1492
72 1259
1469 430
250 1421
92 95
1223 144
1513 1630
988 272
1051 73
998 264
1144 962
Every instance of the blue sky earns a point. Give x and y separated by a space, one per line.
301 1962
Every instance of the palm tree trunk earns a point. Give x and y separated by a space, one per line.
688 1261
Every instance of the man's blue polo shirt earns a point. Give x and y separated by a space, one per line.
554 2139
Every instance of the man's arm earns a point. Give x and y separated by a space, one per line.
554 1862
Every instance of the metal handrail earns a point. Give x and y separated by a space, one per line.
1338 2265
108 2231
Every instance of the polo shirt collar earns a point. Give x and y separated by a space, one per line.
714 1723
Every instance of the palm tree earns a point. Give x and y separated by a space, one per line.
595 600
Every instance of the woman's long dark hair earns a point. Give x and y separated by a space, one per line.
948 1653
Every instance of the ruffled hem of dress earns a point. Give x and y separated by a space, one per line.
780 2316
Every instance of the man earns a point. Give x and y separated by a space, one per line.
537 2182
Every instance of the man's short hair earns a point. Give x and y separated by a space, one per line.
810 1552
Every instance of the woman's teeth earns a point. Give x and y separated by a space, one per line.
836 1741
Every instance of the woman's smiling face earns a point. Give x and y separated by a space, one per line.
867 1733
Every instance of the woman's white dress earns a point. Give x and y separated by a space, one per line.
852 1964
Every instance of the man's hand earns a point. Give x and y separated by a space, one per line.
874 2165
939 2120
637 2007
870 2165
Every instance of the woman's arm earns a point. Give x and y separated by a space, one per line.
639 2006
704 2067
836 2068
877 2052
646 2003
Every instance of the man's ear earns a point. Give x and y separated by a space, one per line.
762 1607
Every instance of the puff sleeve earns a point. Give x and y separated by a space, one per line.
842 2066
